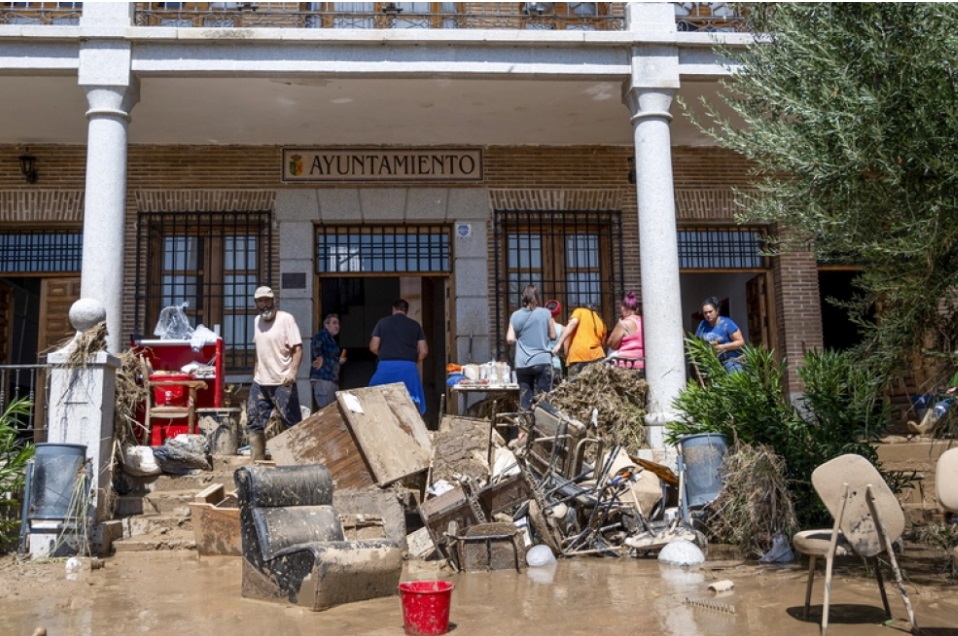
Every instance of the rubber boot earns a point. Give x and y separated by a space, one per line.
257 442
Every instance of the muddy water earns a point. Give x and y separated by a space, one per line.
179 593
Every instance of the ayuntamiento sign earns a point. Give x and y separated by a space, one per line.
311 165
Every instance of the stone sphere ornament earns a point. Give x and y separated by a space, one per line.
87 313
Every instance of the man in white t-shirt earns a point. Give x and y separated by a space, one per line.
279 349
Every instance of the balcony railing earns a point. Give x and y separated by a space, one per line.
579 16
569 16
707 16
56 13
31 382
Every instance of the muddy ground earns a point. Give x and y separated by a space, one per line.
177 592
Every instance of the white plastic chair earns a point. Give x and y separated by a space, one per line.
868 519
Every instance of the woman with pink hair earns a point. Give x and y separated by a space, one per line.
627 339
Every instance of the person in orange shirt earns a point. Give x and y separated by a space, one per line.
586 334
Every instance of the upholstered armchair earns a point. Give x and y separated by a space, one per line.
293 544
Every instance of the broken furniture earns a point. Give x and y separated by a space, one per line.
216 524
557 443
163 408
369 436
868 520
457 393
460 523
490 546
293 543
175 402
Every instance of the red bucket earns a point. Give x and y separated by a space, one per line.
425 606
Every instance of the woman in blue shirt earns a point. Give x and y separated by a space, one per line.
722 333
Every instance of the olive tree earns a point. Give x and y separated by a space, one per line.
849 115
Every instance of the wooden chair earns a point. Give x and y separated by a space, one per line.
868 519
171 412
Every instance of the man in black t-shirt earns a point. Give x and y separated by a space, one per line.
400 343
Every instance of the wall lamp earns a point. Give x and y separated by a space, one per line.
28 167
631 169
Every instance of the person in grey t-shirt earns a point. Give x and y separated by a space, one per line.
530 330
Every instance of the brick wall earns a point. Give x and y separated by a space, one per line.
798 308
522 168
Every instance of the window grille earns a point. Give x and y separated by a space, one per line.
212 262
382 249
726 248
574 257
46 252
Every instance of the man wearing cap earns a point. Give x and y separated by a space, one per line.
279 349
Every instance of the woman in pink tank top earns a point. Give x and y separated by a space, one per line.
627 339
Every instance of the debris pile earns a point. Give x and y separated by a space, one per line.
560 484
617 394
570 476
754 505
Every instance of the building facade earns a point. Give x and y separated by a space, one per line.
352 153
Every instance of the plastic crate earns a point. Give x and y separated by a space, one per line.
170 395
159 433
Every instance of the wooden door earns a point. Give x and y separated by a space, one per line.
57 295
761 317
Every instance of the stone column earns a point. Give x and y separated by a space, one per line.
111 93
648 94
81 406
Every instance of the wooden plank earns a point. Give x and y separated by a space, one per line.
324 438
212 494
216 530
407 413
390 432
461 447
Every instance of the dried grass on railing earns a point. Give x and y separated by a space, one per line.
131 393
82 345
754 504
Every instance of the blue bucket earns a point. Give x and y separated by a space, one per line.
56 468
703 456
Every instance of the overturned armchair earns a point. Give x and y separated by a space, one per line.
294 550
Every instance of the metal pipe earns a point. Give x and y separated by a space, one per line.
25 508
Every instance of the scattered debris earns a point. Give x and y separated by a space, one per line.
724 585
183 454
681 552
715 606
754 504
460 448
369 436
216 522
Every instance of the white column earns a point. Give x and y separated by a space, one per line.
81 404
111 93
649 97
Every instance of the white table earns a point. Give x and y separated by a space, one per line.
456 393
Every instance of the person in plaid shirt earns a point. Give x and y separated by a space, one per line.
327 357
